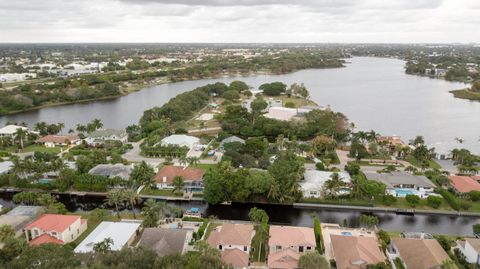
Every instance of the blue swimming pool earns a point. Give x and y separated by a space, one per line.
405 192
347 233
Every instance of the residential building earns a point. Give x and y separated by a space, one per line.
10 130
19 217
112 170
51 141
181 141
232 139
463 184
192 177
164 241
234 241
100 136
287 244
400 184
418 253
122 234
313 183
54 228
470 248
5 167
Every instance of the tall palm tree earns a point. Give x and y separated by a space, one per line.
178 183
20 134
61 125
183 160
97 123
81 128
132 197
193 161
334 184
114 198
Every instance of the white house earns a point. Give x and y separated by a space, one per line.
181 141
54 228
121 233
10 130
314 181
100 136
470 247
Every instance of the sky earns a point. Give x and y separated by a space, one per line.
241 21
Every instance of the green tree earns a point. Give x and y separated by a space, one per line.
178 184
152 212
142 174
115 198
21 134
6 231
434 201
132 197
313 260
368 221
103 246
46 256
412 199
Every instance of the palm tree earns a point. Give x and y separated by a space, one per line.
20 134
132 197
97 123
183 160
193 161
114 198
81 128
61 125
178 183
274 192
334 184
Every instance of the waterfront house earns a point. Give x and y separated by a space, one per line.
418 253
11 130
470 248
5 167
112 170
313 183
192 177
463 184
100 136
400 184
180 141
234 241
121 233
287 244
51 141
19 217
164 241
55 228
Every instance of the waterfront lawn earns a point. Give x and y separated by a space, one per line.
256 248
205 166
160 192
34 148
415 162
402 203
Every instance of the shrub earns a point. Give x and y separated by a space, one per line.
201 230
434 201
290 105
444 242
465 205
317 229
474 195
389 200
320 166
450 198
384 236
412 200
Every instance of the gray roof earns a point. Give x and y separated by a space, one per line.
232 139
163 241
20 216
5 166
107 133
396 178
111 170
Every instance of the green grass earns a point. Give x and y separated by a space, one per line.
298 102
466 94
402 203
160 192
416 163
204 166
256 240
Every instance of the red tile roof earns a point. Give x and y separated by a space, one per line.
170 171
477 178
53 222
44 239
58 139
235 257
232 234
464 183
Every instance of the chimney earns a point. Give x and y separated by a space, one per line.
164 180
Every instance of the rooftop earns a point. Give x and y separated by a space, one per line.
58 139
420 253
235 257
112 170
181 140
170 171
352 252
53 222
163 241
287 259
232 234
291 236
464 183
474 242
44 239
119 232
396 178
316 179
11 129
231 139
107 133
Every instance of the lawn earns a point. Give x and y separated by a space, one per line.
210 228
33 148
159 192
415 162
402 203
298 102
256 248
204 166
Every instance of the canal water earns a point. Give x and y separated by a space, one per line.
288 215
375 93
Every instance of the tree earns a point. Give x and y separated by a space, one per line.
273 89
142 174
476 229
45 256
103 246
178 184
21 134
444 242
258 105
238 86
258 215
323 144
132 197
434 201
389 199
152 212
12 248
412 199
114 198
368 221
333 185
231 95
313 260
193 161
6 231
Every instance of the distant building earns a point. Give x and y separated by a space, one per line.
470 247
231 139
20 216
287 244
11 130
112 170
164 241
181 141
234 241
313 183
401 184
192 177
463 184
356 252
51 141
122 234
100 136
418 253
54 228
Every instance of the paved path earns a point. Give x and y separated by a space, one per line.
448 165
134 155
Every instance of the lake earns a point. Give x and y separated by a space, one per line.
374 93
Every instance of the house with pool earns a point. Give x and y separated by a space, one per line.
400 184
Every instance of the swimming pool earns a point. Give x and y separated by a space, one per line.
404 192
347 233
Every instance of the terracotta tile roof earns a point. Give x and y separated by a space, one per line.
232 234
235 257
352 252
420 253
53 222
287 259
464 183
44 239
58 139
291 236
170 171
164 241
477 178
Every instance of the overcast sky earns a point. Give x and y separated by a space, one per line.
389 21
